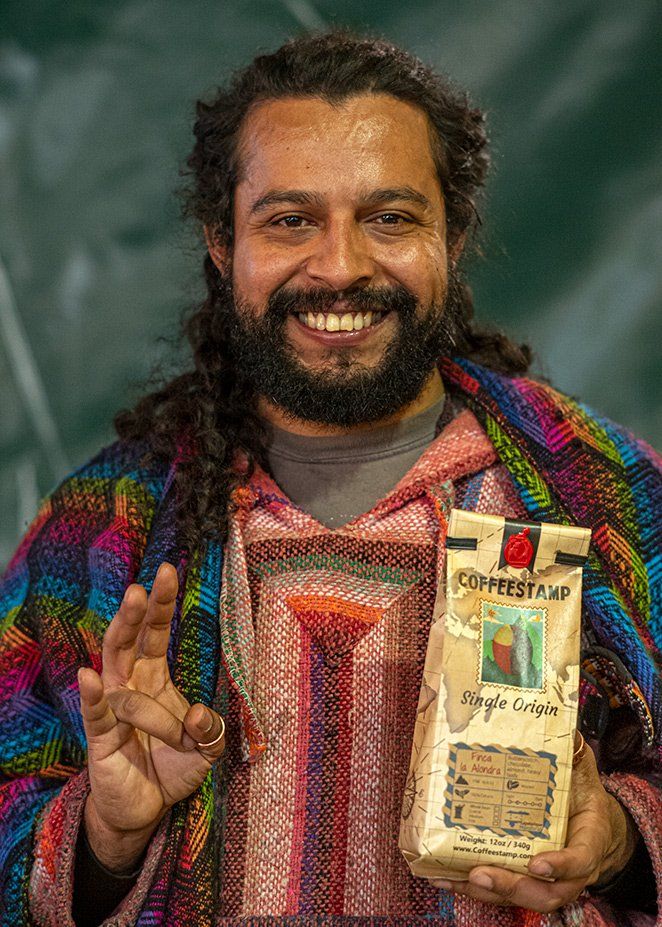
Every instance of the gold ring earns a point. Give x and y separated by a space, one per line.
212 743
580 750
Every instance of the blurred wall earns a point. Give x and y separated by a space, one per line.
96 104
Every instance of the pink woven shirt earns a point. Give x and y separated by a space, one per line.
334 626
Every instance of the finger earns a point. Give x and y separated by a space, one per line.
588 833
580 748
155 633
585 782
498 886
586 762
148 715
119 641
98 716
470 890
206 730
450 885
585 849
104 732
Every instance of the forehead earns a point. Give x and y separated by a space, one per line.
308 143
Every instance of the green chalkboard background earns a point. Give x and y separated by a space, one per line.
96 103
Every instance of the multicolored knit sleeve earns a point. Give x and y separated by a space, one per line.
570 465
65 580
643 800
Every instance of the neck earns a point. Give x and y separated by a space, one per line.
429 395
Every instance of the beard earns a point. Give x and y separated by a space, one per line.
345 392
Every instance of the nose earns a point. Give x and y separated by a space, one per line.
341 257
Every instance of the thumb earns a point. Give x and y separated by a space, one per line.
585 779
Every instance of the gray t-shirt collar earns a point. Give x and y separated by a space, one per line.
367 444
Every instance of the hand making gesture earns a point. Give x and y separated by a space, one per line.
147 747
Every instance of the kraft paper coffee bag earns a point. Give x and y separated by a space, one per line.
491 761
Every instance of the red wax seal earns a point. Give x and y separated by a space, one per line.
519 550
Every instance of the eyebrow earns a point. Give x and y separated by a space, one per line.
309 198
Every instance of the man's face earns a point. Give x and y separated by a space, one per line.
339 264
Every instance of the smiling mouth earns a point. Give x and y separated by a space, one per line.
347 322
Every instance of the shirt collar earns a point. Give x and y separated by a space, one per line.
461 449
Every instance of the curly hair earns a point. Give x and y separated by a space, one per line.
211 409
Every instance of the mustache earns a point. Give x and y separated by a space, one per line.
317 299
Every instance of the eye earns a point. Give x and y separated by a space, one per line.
392 218
289 222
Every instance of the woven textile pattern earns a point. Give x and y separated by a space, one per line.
336 622
563 460
112 523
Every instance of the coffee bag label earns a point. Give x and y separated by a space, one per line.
490 771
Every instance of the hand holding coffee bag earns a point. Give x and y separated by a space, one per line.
491 762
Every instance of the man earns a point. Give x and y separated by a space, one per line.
284 502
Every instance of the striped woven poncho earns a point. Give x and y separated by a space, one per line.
112 523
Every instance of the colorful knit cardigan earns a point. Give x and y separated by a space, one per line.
112 523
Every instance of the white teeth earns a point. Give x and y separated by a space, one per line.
332 322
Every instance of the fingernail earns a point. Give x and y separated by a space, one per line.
207 716
481 880
540 867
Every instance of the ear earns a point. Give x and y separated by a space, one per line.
218 252
455 250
